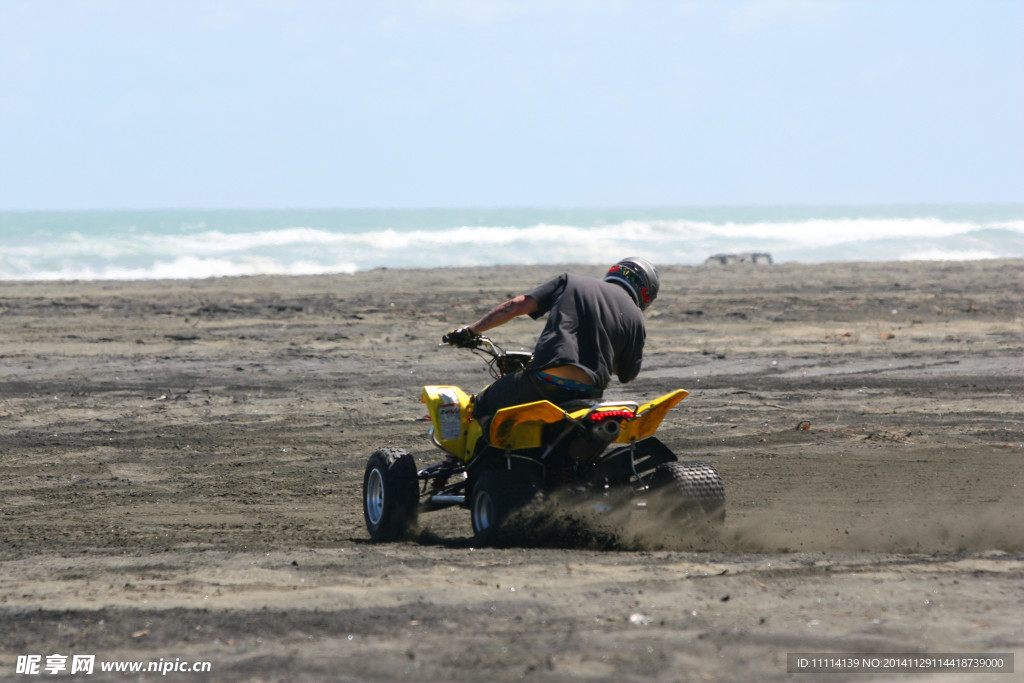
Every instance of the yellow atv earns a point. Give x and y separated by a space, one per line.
603 449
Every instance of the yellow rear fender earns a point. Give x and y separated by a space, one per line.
520 426
649 416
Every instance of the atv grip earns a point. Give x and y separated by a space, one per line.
463 337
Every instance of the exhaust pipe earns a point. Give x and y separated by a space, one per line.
593 441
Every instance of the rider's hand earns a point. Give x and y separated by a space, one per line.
463 337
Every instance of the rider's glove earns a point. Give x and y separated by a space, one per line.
462 337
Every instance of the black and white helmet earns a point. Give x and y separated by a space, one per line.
638 276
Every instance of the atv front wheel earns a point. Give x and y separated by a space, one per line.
390 493
497 494
690 489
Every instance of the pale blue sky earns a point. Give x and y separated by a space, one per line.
555 103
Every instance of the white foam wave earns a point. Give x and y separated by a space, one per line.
821 233
220 242
949 255
186 268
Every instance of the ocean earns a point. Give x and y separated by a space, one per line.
182 244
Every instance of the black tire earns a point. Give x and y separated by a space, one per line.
496 495
689 489
390 494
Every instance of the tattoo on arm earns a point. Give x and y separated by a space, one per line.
504 312
497 316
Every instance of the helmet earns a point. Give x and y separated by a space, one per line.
638 276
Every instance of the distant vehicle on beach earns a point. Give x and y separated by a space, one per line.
749 257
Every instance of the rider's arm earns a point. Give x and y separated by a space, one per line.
502 313
627 365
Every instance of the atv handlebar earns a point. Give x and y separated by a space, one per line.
499 361
471 341
463 337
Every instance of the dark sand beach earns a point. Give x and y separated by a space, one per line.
181 467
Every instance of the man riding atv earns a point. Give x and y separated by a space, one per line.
541 427
595 328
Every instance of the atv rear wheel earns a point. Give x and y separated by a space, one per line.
497 494
691 489
390 493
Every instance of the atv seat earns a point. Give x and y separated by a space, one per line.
578 403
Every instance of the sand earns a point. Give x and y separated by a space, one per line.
181 469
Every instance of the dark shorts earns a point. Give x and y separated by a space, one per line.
524 386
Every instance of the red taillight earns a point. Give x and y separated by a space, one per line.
610 414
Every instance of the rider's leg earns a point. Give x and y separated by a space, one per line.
513 389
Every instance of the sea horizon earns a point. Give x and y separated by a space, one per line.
140 244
